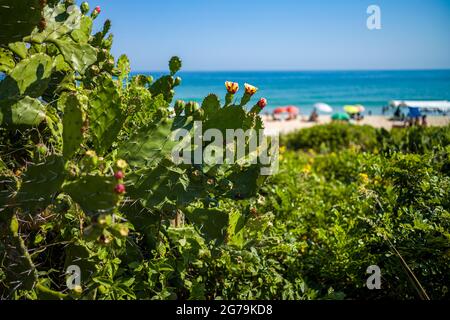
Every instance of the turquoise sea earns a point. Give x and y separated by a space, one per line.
373 89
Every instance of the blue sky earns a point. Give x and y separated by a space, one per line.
280 34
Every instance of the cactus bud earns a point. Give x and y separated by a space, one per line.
262 103
95 12
120 188
179 107
177 81
77 289
95 69
196 175
191 107
106 27
73 170
199 114
69 3
102 220
225 185
41 149
84 7
102 289
121 164
90 160
119 175
174 65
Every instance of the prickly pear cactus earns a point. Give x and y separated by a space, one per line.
87 154
18 19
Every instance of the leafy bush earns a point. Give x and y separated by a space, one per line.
346 211
417 139
331 137
338 136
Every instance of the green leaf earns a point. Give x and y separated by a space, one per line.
105 115
29 77
174 65
58 23
8 185
27 111
211 104
83 34
123 64
94 194
211 223
152 142
20 270
19 48
7 62
164 86
232 117
80 255
164 184
40 183
73 119
79 56
147 145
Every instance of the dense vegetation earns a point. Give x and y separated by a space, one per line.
86 180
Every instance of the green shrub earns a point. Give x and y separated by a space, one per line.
331 137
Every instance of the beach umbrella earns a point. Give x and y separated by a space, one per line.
323 107
351 109
292 109
361 107
414 112
279 110
340 116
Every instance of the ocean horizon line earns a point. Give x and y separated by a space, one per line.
293 71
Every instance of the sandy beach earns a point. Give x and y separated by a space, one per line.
286 126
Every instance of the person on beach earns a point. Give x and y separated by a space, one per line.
314 117
397 113
424 121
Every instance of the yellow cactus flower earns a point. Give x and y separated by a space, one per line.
249 89
232 87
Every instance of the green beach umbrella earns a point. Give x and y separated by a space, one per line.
340 116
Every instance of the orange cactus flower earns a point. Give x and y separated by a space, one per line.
232 87
249 89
